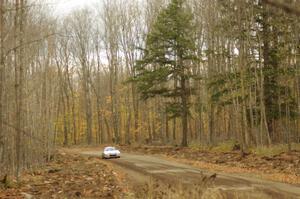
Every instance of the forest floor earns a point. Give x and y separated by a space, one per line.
67 176
280 167
79 172
150 174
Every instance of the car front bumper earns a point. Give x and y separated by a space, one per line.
111 155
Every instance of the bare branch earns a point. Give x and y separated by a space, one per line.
287 8
28 43
24 132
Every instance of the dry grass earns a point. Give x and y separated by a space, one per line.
156 189
226 146
274 149
175 190
229 145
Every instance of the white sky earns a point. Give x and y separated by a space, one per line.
63 7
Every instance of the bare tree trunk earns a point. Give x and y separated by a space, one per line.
128 122
242 65
2 80
167 127
88 105
44 104
184 116
174 130
98 132
211 124
73 116
109 136
184 101
263 118
136 113
19 82
66 137
150 132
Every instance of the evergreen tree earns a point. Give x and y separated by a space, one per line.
168 57
277 96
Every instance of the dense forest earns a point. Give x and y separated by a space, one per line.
177 72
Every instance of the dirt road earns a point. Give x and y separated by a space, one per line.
142 168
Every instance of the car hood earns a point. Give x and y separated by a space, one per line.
112 152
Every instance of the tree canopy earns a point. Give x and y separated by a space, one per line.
165 67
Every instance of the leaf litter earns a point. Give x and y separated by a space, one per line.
283 167
68 176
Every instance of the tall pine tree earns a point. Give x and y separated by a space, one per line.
168 57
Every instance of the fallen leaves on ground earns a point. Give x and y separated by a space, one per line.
68 176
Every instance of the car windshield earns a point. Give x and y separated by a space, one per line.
109 149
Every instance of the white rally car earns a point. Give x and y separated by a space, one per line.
110 152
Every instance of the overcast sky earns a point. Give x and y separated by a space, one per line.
63 7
